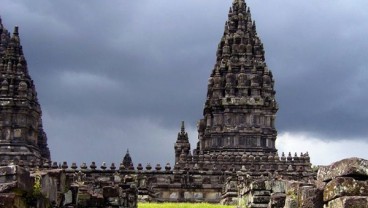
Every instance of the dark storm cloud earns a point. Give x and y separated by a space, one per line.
123 74
318 53
146 49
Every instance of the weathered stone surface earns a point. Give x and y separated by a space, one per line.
344 186
261 193
259 185
6 187
68 198
277 200
260 199
13 176
278 186
11 200
258 205
7 200
310 197
109 191
291 201
352 167
349 202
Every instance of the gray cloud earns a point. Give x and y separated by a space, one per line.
123 74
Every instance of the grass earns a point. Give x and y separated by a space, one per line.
181 205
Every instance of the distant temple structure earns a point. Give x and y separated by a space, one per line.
235 156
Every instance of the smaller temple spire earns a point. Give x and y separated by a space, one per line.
127 160
182 127
16 31
182 143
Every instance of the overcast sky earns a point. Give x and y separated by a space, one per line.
119 74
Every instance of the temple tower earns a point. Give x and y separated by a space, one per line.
21 134
238 125
240 108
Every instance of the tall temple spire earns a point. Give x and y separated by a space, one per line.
21 132
240 108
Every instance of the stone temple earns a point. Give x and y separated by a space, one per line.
240 109
235 160
21 134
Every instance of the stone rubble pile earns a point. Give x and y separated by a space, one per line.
343 184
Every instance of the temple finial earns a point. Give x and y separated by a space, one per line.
182 127
16 31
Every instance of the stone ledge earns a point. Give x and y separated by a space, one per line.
354 167
349 202
344 186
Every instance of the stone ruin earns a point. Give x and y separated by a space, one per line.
235 160
57 187
342 184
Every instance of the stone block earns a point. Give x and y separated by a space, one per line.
291 201
188 195
12 173
258 185
258 205
212 196
114 201
174 195
49 184
11 200
349 202
261 193
352 167
68 198
292 187
277 200
7 200
198 195
278 186
6 187
344 186
310 197
109 191
259 199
